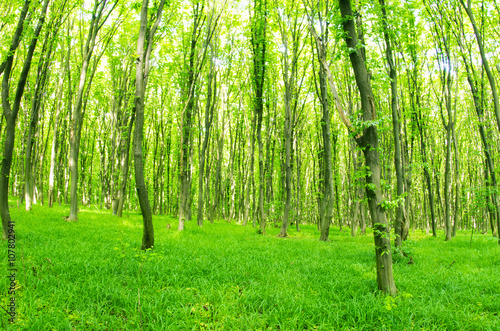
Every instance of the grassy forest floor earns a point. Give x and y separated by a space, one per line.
91 275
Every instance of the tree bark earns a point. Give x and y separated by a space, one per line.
10 113
326 204
194 67
258 43
146 35
77 118
289 68
368 141
41 80
55 141
484 60
17 34
124 163
400 221
482 132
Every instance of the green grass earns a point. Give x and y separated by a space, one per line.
91 275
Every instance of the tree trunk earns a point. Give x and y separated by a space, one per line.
141 79
326 205
77 118
124 163
10 113
456 219
484 60
250 180
41 80
188 90
290 68
258 43
55 142
369 142
486 148
209 115
400 221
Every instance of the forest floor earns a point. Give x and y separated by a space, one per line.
91 275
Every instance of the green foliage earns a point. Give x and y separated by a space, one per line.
91 275
360 125
387 204
404 254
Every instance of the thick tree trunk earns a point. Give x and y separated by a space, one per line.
10 113
369 142
184 175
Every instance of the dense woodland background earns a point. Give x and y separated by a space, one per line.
253 113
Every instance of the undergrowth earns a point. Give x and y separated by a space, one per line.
91 275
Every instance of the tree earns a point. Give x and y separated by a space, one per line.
484 60
290 27
475 87
209 116
190 75
43 72
258 44
321 42
367 140
442 36
10 111
99 17
400 221
145 41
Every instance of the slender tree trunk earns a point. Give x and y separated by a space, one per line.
482 132
250 181
124 164
258 43
77 118
41 79
55 141
209 114
218 169
456 218
290 67
146 35
426 170
298 213
193 69
400 221
326 206
484 61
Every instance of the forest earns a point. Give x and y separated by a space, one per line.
203 150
